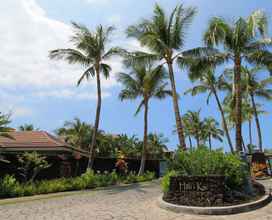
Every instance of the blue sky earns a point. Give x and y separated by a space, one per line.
44 92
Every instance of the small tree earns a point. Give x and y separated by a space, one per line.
31 165
27 127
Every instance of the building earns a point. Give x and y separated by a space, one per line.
64 159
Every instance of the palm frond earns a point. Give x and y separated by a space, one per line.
71 55
105 69
86 75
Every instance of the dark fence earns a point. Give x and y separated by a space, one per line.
196 190
72 167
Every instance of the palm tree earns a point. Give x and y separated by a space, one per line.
187 129
195 126
209 83
90 52
4 131
76 133
28 127
212 131
242 41
252 86
164 37
156 144
257 88
144 82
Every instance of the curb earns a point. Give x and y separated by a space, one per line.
224 210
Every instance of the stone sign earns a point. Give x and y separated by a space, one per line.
196 190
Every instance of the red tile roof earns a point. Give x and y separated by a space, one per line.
31 139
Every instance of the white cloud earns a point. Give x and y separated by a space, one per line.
14 105
27 36
70 94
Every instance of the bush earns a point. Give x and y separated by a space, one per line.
166 180
203 162
10 187
133 178
89 178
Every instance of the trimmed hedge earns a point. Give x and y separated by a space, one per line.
10 187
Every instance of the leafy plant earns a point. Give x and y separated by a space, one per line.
9 187
31 165
204 162
166 180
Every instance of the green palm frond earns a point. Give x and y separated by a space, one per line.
71 55
105 69
86 75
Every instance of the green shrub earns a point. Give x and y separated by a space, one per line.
89 178
10 187
166 180
131 178
204 162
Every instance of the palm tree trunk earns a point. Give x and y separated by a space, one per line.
197 141
257 123
250 132
238 103
210 142
176 108
243 145
190 142
143 159
225 127
97 117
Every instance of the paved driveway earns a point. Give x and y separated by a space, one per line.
119 203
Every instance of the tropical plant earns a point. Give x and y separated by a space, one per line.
257 88
203 162
31 164
144 82
211 130
90 52
209 83
4 131
253 86
76 133
156 144
28 127
247 116
243 41
164 37
196 126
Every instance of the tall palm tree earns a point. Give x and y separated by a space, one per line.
164 36
209 83
257 88
242 41
212 131
90 52
144 82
